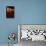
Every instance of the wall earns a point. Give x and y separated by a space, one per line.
26 12
31 11
6 25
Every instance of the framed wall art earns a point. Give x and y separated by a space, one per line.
10 11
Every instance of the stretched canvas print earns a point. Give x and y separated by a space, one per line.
10 12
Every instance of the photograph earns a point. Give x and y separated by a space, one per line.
10 12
